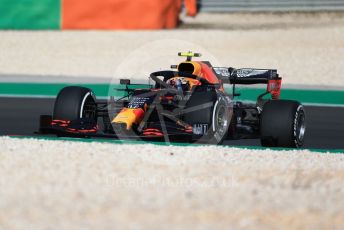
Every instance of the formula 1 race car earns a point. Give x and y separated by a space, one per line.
187 104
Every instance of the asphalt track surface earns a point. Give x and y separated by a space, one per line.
325 125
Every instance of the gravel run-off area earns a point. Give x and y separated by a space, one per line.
68 185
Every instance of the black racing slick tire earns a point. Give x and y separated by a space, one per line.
73 103
283 124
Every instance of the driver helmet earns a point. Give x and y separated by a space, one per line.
182 83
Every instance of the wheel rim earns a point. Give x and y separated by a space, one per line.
300 126
221 121
89 109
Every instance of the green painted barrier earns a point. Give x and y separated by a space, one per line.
52 89
306 96
30 14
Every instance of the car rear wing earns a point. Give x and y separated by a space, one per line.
245 76
249 76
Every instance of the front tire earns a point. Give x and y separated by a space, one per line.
283 124
73 103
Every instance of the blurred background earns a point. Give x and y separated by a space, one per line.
139 14
303 39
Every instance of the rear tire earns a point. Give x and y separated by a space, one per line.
283 124
73 103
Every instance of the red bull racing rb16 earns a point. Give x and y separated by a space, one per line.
186 104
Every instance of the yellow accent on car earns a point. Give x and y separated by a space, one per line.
127 116
189 54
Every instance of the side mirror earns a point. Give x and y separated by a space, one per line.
124 81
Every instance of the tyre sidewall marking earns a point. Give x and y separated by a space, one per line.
296 123
83 103
214 114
